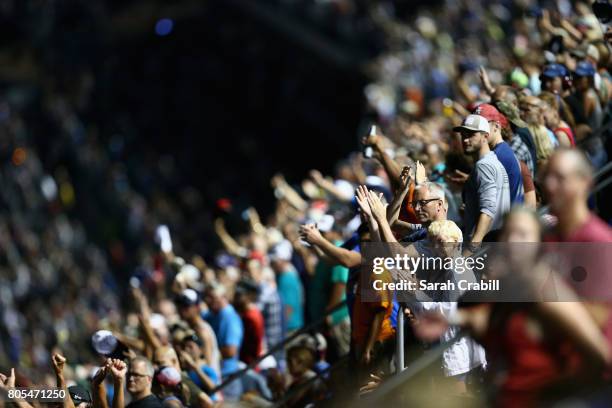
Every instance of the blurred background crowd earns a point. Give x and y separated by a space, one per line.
183 175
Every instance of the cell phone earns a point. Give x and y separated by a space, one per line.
368 151
162 237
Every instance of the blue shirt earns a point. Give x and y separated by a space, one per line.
506 156
228 328
210 373
292 295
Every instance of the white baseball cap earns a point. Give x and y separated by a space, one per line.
474 123
104 342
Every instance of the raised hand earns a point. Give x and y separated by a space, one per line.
371 140
118 369
421 173
379 210
187 360
219 226
405 178
59 362
362 200
484 78
100 375
316 176
277 180
7 382
311 234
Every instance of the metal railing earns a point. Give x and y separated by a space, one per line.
411 371
287 397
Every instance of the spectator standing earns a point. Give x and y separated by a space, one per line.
486 193
502 150
228 328
252 320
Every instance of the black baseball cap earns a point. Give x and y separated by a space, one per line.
188 297
79 394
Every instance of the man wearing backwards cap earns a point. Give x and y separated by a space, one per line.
502 150
486 193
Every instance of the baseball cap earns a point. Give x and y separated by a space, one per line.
247 286
554 70
283 251
168 376
474 123
190 275
584 69
104 342
490 113
79 394
188 297
326 223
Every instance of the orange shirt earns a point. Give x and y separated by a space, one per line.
364 313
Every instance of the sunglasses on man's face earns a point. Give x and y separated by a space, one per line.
135 375
423 203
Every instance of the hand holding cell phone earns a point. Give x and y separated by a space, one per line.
368 141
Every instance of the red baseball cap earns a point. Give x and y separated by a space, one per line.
491 113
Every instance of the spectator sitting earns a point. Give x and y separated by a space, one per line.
167 386
166 356
188 303
200 372
300 361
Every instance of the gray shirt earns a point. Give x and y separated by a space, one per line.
486 191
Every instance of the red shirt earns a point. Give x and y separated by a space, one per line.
588 247
568 132
594 230
252 344
531 364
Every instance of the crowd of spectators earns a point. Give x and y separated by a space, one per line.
491 121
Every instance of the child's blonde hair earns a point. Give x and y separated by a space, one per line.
446 228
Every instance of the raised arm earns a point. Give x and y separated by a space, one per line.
366 212
486 81
188 362
59 362
393 210
118 370
255 222
342 256
284 190
391 167
328 186
98 390
227 240
7 382
379 213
